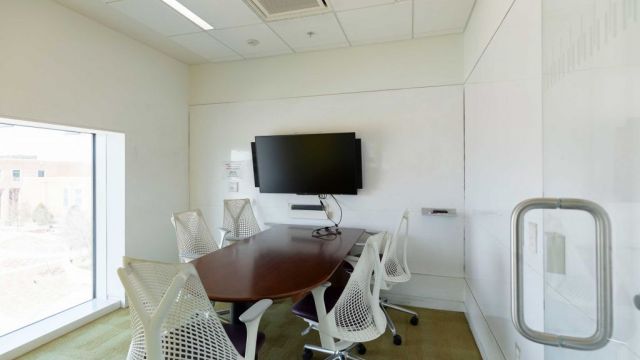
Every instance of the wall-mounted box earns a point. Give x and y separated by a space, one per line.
439 212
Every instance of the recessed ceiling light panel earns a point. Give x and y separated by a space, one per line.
177 6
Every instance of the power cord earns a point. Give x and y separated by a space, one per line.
324 207
328 233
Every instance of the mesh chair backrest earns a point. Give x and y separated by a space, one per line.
171 316
239 219
193 234
357 315
397 270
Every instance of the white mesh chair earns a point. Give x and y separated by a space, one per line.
194 238
172 318
239 221
193 235
356 315
394 260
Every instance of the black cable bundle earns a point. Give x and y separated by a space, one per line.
328 232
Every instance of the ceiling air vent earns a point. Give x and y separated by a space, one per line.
284 9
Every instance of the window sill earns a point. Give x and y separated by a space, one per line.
30 337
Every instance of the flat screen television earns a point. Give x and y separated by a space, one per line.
308 164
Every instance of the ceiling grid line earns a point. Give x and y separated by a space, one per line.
280 37
413 19
335 15
225 45
240 31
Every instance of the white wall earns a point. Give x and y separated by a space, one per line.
427 61
59 67
412 142
482 25
503 166
412 155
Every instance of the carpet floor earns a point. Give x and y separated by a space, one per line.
439 335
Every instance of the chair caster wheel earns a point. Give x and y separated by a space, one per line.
397 339
414 320
307 354
361 349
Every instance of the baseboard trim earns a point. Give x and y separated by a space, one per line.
424 302
487 343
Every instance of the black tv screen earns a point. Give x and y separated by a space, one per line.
308 164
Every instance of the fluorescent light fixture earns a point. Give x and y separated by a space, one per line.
188 14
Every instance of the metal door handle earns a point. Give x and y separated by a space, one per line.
604 322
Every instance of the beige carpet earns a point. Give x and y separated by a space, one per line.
440 335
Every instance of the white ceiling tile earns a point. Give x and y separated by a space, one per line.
223 13
156 15
326 32
435 17
378 23
237 39
206 46
340 5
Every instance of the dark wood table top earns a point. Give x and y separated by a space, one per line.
280 262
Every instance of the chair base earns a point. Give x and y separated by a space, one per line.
384 304
344 354
312 325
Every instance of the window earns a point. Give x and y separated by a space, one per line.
46 224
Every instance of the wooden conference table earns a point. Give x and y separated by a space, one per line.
281 262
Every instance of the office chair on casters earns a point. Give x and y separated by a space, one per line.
172 318
239 221
356 315
397 271
193 235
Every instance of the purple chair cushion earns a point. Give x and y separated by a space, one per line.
347 267
238 336
306 308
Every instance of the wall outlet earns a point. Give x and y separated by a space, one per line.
517 352
233 187
533 237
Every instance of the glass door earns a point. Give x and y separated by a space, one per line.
591 150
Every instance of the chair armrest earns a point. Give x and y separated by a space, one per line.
318 299
223 235
326 340
255 311
251 319
352 260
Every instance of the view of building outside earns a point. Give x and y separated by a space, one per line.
46 223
